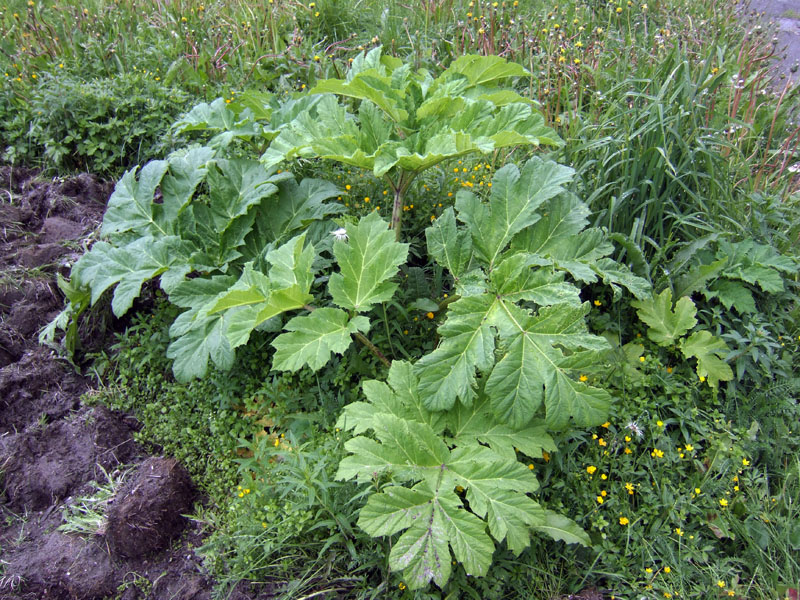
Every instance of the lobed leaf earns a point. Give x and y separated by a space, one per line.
709 351
131 206
450 247
516 196
665 324
367 259
314 337
467 344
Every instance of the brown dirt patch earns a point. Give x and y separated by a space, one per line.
52 447
147 512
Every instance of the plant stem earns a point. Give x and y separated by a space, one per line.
397 211
373 348
400 188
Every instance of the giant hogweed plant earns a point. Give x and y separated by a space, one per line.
242 247
400 122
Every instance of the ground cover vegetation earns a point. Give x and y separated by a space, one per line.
463 299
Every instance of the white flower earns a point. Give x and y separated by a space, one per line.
634 427
340 234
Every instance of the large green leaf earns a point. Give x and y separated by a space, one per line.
533 368
450 247
400 400
422 551
709 352
394 509
410 450
197 337
217 118
296 206
516 196
514 279
467 343
483 70
732 294
128 267
554 234
204 340
615 275
286 288
437 526
510 516
561 528
408 121
234 186
367 259
132 208
186 171
313 337
666 325
516 384
561 238
368 85
570 399
478 424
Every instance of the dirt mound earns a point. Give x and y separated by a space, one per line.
52 448
43 465
64 566
36 389
147 512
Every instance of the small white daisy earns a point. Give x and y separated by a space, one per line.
340 234
634 427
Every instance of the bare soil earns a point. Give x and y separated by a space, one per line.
52 447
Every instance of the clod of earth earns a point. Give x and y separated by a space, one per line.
147 512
